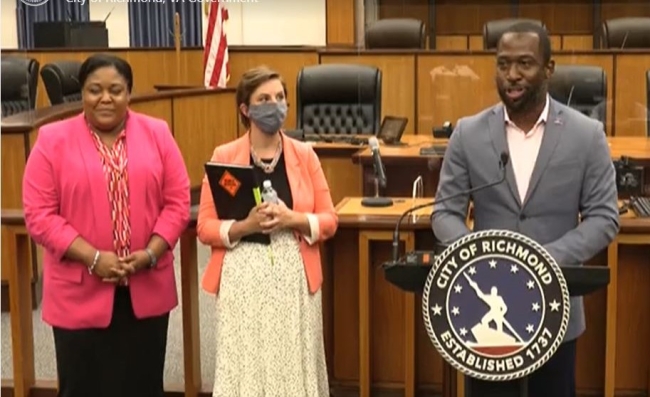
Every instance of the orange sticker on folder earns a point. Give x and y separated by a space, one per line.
229 183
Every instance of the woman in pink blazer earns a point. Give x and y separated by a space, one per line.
106 193
269 331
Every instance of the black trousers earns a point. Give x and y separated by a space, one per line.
556 378
127 359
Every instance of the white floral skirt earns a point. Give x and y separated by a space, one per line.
269 328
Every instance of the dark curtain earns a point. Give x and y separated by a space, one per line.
52 11
152 24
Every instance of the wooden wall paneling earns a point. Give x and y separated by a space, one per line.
476 42
632 321
578 42
611 9
398 88
630 106
161 108
452 42
468 16
590 360
288 64
453 86
387 312
416 9
14 155
345 254
571 17
604 61
556 42
340 22
13 166
342 175
153 67
429 364
197 131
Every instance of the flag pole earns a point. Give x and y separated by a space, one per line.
177 45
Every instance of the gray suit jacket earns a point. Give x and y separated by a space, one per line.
573 177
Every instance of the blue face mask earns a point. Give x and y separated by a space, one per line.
268 117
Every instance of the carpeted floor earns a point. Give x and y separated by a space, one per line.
44 348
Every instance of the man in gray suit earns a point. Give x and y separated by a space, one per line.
560 169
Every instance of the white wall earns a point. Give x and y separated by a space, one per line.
9 32
265 22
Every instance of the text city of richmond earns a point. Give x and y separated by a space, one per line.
539 267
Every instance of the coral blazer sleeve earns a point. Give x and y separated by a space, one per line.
324 219
41 199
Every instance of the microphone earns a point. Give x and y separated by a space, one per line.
504 158
108 15
625 39
380 178
568 102
378 165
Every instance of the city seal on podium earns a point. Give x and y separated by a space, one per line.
496 305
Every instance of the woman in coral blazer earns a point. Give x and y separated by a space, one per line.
106 193
269 318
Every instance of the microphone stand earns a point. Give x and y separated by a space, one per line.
377 201
432 203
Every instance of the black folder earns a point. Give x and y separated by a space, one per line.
233 190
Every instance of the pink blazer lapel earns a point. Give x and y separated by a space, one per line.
96 178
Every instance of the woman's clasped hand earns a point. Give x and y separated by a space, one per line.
111 268
270 217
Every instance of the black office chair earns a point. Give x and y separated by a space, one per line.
18 85
29 68
626 33
393 33
62 82
583 88
339 99
493 30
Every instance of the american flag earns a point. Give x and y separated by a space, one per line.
215 52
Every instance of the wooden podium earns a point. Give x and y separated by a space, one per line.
377 299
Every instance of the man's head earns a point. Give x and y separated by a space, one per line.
524 67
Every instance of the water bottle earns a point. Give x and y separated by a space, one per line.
269 195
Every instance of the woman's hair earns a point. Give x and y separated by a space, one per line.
99 61
249 82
